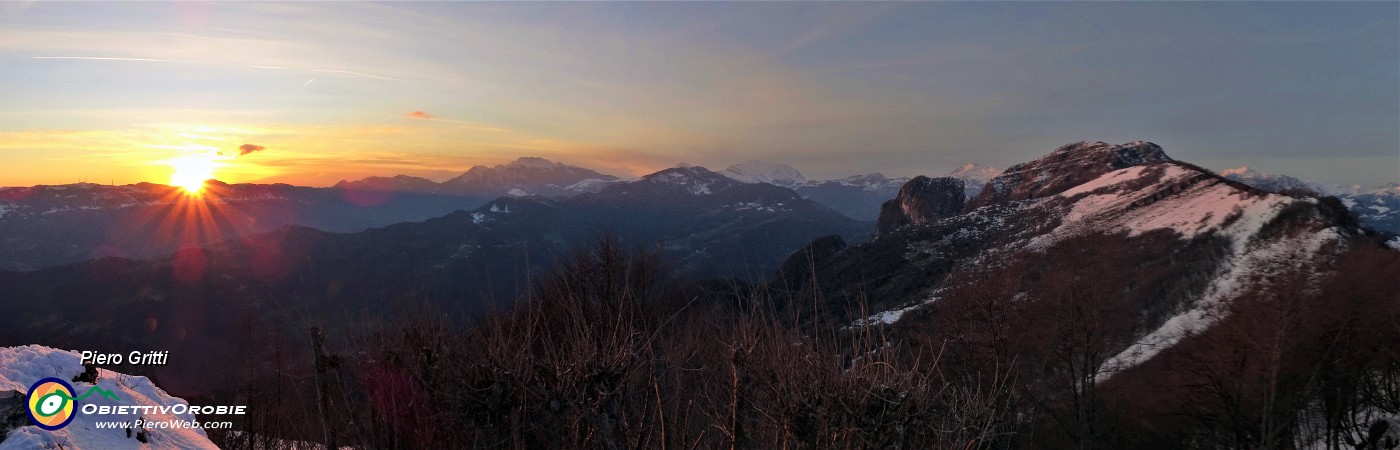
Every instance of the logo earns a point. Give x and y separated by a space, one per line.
52 404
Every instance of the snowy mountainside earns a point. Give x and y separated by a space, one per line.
766 172
1190 203
692 180
20 367
1214 234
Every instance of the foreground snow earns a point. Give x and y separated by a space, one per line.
20 367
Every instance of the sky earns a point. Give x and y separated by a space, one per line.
322 91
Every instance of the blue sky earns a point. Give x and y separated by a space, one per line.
1309 89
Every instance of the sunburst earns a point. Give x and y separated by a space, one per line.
191 172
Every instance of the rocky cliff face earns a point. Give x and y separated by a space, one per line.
1064 168
922 200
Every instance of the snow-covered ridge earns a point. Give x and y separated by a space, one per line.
1185 200
765 172
1064 168
1139 199
20 367
1180 199
591 185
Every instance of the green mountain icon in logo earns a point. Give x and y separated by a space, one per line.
103 392
94 389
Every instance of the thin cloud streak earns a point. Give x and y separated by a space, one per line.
101 58
303 85
353 73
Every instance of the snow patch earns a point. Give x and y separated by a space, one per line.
755 206
1175 201
590 185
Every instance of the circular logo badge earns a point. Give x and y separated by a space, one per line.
51 403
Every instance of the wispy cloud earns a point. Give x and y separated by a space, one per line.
101 58
419 115
352 73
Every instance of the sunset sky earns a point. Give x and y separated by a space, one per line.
320 91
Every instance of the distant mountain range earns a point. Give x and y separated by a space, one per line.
42 226
524 176
199 301
1377 207
856 196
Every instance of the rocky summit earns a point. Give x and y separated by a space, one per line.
920 201
1064 168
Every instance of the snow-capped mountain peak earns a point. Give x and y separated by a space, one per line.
1390 189
534 162
524 176
766 172
1064 168
698 180
975 177
1241 170
975 172
1270 182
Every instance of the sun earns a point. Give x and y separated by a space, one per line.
191 172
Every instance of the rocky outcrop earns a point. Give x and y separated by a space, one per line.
12 411
1066 167
920 201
